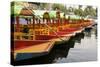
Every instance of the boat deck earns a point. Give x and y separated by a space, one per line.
44 47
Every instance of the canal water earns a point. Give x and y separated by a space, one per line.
80 48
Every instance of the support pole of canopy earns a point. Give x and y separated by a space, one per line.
68 19
39 23
48 21
27 21
30 21
17 24
33 22
53 22
58 17
64 19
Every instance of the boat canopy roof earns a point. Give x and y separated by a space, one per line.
39 13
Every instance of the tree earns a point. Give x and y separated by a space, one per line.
60 7
90 11
44 6
79 11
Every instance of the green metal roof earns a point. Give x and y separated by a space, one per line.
16 9
73 16
52 14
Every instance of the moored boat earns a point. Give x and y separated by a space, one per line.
34 32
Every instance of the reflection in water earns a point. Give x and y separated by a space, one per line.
81 47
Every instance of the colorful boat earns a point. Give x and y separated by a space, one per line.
33 28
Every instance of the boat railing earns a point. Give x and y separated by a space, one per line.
46 27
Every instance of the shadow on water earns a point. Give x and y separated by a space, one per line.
59 51
90 31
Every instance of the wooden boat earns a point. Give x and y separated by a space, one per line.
38 36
